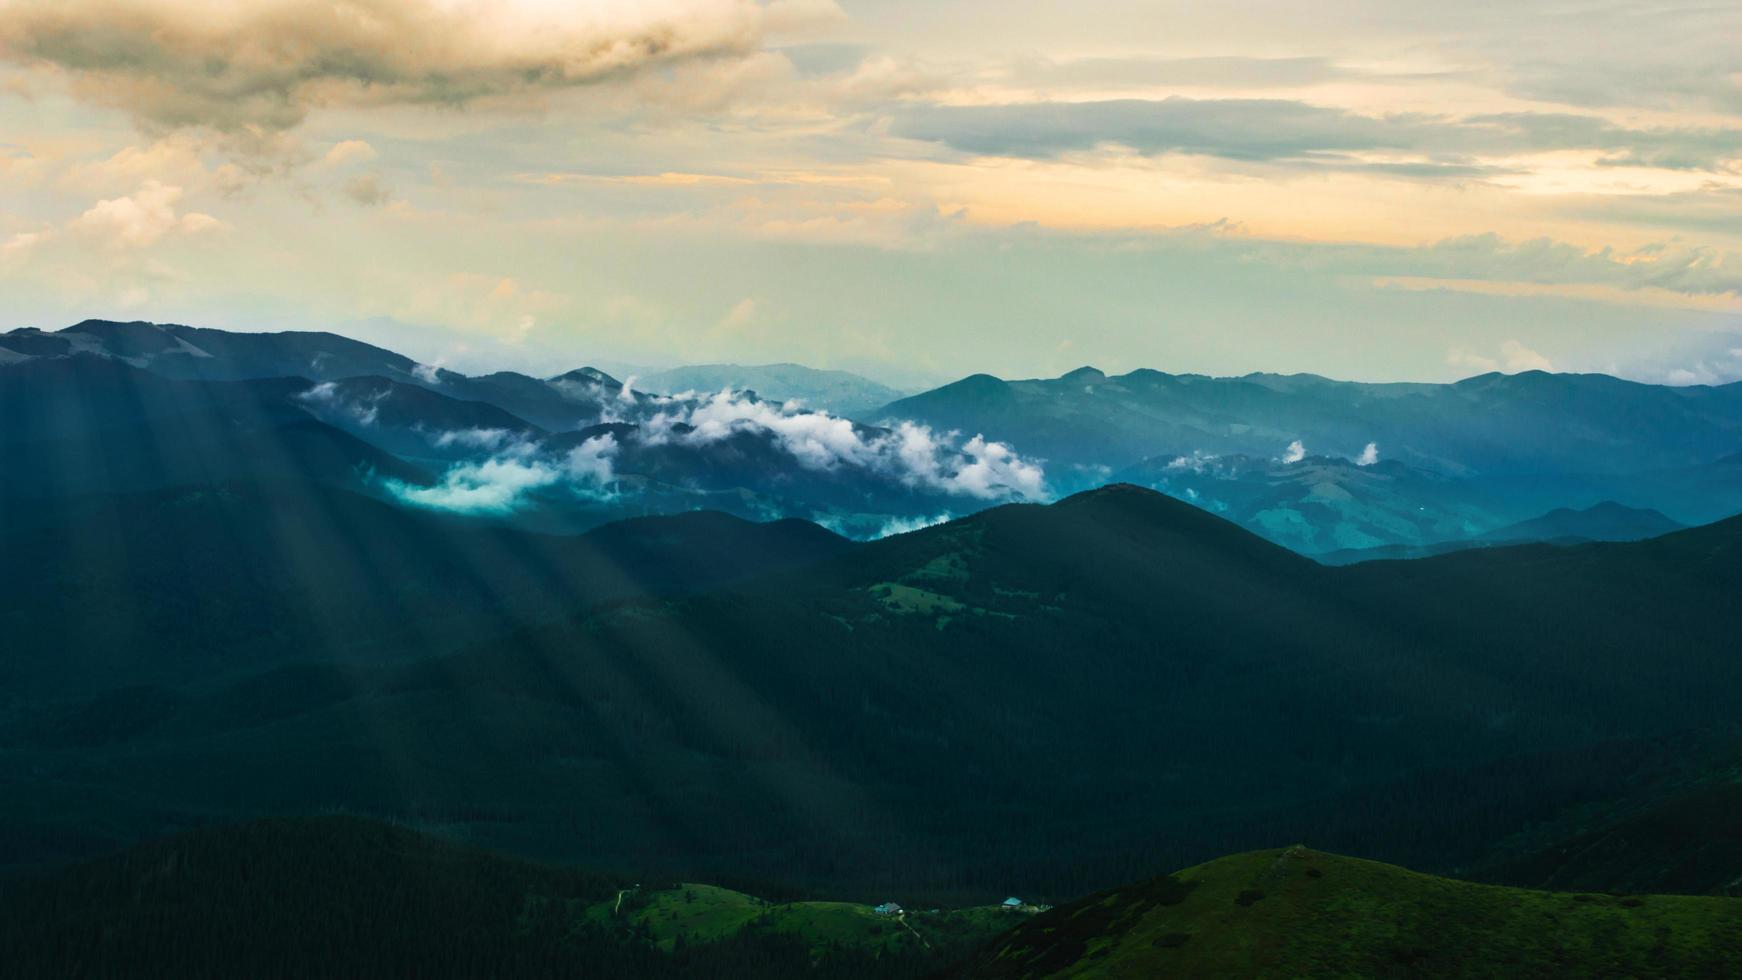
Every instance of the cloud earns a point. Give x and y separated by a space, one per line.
1295 452
910 453
590 462
1241 129
494 485
489 440
1195 463
496 305
367 190
1518 357
141 218
996 471
1703 359
502 483
1706 209
177 160
1714 85
262 66
326 397
1512 358
796 16
349 151
1202 72
1369 455
19 245
907 525
739 315
1670 265
1304 135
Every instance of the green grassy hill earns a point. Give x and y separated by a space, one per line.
342 896
691 913
1297 913
346 897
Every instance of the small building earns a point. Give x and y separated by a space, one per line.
1012 905
888 908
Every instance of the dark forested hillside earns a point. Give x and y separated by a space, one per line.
342 897
1688 843
84 425
174 586
1044 698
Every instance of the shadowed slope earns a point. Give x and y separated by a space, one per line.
1690 844
86 425
169 585
1034 698
344 897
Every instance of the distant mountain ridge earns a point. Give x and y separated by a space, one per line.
1321 466
561 454
1491 423
206 354
1604 521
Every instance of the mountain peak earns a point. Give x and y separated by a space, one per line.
980 380
102 327
1141 512
1116 491
1084 373
590 374
1604 521
975 389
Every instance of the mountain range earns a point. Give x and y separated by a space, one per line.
707 638
564 453
1323 467
1496 424
1444 461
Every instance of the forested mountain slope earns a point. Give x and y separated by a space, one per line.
1044 698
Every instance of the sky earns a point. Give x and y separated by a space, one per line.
1366 189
